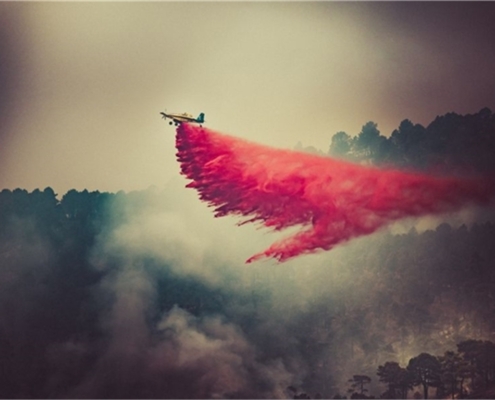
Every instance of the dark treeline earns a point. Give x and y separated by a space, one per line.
468 372
451 143
408 306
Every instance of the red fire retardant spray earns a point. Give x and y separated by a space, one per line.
332 200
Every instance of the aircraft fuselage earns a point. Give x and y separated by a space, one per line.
180 118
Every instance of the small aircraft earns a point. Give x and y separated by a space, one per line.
178 119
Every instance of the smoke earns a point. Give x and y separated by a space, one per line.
333 200
179 356
156 306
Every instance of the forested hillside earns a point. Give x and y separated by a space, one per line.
98 291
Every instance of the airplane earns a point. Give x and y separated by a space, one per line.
178 119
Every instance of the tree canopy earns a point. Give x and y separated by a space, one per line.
451 143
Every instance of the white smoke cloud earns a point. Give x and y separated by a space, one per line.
180 356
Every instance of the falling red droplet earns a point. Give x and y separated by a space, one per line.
333 200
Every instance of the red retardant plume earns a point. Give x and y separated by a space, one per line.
332 200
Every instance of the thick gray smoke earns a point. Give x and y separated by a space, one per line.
160 304
179 356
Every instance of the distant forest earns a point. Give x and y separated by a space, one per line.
426 290
452 143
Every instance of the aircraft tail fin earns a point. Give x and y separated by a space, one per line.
201 118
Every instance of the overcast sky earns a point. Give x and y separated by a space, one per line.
82 84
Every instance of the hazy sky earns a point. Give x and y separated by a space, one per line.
82 84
